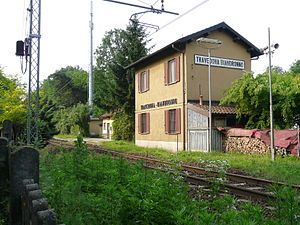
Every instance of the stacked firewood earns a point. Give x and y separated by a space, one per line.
246 145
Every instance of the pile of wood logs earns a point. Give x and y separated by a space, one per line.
246 145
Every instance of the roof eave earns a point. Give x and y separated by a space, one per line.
252 49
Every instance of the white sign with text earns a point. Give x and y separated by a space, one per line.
220 62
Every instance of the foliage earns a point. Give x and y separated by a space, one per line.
123 126
287 205
251 96
295 67
114 85
282 169
13 104
69 119
85 188
12 100
66 87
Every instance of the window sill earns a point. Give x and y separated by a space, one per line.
173 133
168 84
141 92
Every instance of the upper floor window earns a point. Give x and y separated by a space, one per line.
172 121
144 123
143 81
172 71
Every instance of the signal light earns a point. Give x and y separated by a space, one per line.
20 48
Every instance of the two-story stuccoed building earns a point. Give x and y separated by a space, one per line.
171 94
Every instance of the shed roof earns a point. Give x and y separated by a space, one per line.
217 109
180 44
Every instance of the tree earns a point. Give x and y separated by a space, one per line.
114 85
295 67
66 87
12 101
251 96
72 120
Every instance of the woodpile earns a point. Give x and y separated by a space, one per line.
246 145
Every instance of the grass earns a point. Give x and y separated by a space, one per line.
88 188
282 169
65 136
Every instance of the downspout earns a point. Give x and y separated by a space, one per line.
184 92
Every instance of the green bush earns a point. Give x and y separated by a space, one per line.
66 119
86 188
123 126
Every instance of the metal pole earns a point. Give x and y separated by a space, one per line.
34 72
90 100
209 103
271 101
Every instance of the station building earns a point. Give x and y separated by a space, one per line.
171 94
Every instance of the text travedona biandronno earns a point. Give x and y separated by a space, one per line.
220 62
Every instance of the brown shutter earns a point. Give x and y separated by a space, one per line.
166 76
148 123
139 82
139 123
177 68
148 80
178 121
167 122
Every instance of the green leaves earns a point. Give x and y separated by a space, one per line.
12 100
66 87
251 96
72 119
114 86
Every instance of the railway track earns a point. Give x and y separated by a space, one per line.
246 187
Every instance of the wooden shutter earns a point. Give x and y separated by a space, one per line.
167 122
177 61
139 82
139 123
148 80
148 123
166 72
178 121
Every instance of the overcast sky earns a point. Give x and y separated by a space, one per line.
65 27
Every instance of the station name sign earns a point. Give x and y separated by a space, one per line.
159 104
220 62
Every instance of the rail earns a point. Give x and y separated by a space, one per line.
252 188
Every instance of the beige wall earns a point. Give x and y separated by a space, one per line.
94 128
221 78
195 75
105 132
158 92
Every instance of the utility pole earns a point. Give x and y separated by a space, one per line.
271 101
33 42
91 77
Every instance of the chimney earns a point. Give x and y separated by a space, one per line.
201 100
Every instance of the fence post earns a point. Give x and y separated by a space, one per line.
7 131
3 160
23 164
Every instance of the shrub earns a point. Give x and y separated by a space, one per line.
66 119
123 126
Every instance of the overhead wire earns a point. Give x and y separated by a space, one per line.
179 17
152 5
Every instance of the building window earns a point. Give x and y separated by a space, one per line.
104 126
172 71
172 121
143 81
144 123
